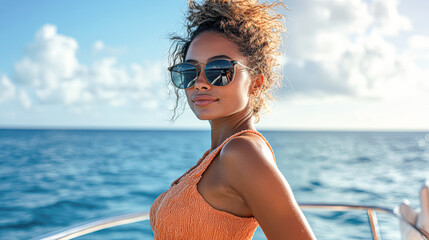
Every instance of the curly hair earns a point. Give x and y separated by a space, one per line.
254 27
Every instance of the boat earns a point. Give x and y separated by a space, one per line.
408 218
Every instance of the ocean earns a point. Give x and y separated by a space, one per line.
51 179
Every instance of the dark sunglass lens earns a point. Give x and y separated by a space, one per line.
219 72
184 75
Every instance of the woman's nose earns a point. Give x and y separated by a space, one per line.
201 82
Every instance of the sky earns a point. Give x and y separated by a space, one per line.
347 65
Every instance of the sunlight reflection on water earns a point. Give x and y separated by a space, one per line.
54 179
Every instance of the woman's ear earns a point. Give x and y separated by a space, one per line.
257 85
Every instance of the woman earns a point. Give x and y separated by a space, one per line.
225 66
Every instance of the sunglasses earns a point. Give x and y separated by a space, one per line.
219 72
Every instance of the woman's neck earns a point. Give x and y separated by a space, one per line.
223 128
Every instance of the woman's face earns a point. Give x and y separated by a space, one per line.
210 102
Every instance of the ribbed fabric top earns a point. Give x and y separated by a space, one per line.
182 213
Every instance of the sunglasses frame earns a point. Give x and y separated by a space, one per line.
200 69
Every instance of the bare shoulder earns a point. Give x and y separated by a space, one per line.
245 152
249 169
246 162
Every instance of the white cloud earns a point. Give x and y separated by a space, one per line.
7 89
419 42
341 59
387 19
24 99
74 92
338 47
418 48
98 46
322 27
52 73
49 60
348 69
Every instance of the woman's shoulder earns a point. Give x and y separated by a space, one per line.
247 152
248 146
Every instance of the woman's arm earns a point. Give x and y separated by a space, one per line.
248 165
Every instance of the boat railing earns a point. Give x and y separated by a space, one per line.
95 225
99 224
371 212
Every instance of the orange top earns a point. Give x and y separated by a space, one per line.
182 213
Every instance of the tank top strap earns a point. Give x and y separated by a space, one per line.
208 159
265 140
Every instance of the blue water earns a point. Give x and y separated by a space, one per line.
50 179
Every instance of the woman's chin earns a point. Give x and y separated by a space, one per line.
211 115
204 117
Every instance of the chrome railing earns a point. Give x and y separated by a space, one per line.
92 226
95 225
372 217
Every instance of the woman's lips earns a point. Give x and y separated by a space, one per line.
203 100
203 103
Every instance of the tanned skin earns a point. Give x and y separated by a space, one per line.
243 179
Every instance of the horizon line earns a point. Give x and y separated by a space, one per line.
104 128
